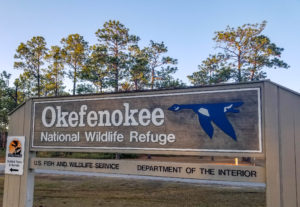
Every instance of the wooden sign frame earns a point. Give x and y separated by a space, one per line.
280 144
191 140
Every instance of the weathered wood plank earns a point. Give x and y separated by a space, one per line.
13 192
297 144
271 130
27 180
223 172
12 182
287 149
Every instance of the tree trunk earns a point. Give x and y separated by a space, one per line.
16 95
252 75
152 79
74 81
116 51
135 85
239 68
38 79
3 139
253 71
56 85
116 79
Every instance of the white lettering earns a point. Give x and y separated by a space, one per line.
127 117
73 119
53 116
82 112
101 118
114 120
144 117
92 118
161 139
61 118
158 117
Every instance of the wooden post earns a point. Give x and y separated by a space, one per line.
271 145
282 138
297 146
18 190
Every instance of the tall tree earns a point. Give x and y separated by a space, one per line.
25 85
75 52
263 53
116 38
18 96
248 50
55 73
31 57
7 102
138 67
212 70
12 93
156 60
85 88
165 79
95 69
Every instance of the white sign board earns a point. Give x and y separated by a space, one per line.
154 168
15 155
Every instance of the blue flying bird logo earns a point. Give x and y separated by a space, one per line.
215 113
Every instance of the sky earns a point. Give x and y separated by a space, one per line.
185 26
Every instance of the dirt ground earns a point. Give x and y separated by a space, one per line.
81 191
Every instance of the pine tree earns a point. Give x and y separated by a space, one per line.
54 75
157 62
75 53
116 38
95 69
248 51
31 57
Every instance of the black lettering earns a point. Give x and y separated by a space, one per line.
233 172
221 172
48 163
156 168
37 162
62 164
209 171
81 164
247 173
109 166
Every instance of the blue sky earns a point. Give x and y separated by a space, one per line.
186 26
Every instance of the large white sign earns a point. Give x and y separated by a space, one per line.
15 155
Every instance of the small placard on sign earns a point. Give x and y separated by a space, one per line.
15 155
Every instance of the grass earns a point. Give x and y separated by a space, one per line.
78 191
